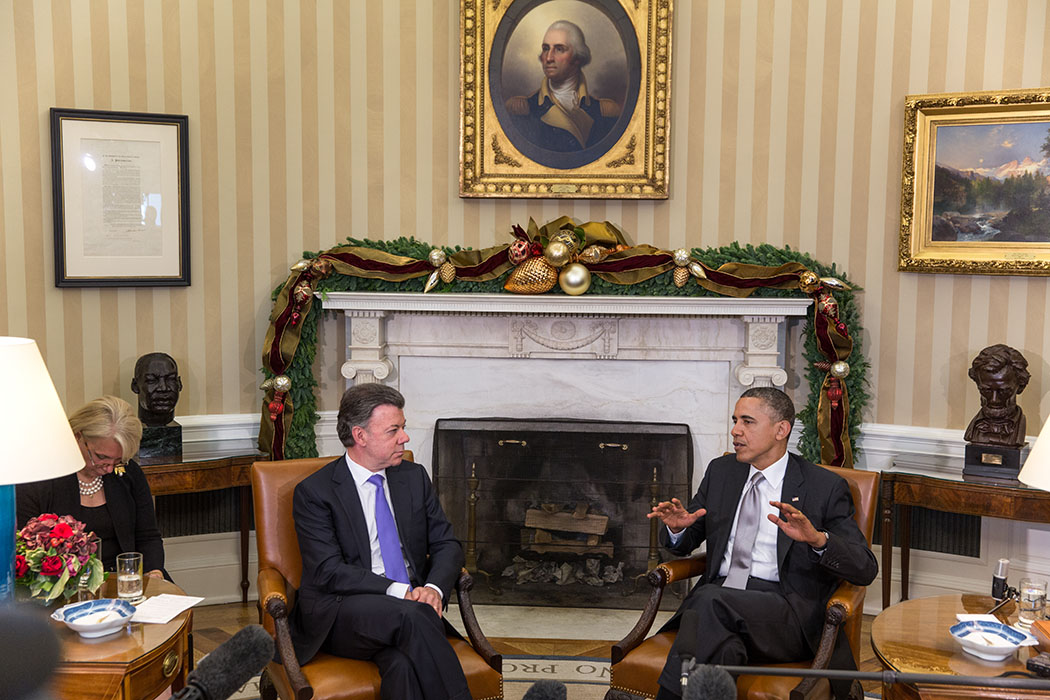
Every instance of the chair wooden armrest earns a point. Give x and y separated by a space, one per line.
844 602
659 578
478 640
273 594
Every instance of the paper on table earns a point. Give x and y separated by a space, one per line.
1029 639
163 608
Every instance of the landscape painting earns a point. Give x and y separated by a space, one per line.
992 183
975 184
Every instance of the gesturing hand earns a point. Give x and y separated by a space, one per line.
426 594
797 526
674 515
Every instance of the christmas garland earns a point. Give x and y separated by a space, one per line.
589 258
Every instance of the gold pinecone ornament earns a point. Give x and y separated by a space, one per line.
534 276
447 272
681 276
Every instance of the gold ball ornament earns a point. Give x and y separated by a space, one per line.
808 281
438 257
568 238
840 369
321 267
282 383
680 276
557 253
575 279
447 271
681 257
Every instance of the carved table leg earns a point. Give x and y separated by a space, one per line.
887 538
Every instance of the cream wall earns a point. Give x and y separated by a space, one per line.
313 120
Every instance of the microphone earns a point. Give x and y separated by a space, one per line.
546 690
231 665
710 683
999 587
31 648
690 625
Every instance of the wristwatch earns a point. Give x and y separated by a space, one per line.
827 538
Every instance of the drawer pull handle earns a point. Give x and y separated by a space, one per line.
171 664
603 445
501 443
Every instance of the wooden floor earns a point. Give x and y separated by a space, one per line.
214 624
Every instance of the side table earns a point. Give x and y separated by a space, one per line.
139 661
1012 501
197 471
912 637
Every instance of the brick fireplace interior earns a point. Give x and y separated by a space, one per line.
553 511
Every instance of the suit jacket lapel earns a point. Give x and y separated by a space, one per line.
792 488
401 496
346 492
730 500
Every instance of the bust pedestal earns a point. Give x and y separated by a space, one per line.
993 461
161 440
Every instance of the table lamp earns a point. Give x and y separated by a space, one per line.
1036 469
36 442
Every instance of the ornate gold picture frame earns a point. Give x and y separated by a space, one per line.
976 183
565 98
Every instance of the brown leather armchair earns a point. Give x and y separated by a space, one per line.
636 664
328 677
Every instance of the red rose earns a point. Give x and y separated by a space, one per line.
61 530
51 566
47 516
21 567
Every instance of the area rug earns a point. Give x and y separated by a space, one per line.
586 678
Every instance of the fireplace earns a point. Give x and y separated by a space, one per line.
553 511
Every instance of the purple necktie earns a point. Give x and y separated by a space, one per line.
389 546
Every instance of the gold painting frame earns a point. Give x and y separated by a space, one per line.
960 150
626 155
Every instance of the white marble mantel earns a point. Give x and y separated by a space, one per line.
673 359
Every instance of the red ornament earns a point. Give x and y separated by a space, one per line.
276 408
295 318
536 249
834 393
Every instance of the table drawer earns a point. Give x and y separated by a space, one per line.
158 670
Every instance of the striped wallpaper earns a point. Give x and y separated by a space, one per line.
312 120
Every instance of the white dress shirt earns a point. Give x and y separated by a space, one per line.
367 493
764 556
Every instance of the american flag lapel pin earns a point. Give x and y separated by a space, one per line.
794 499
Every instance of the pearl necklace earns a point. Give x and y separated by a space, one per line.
90 488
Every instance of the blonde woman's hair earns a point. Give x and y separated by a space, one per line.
109 417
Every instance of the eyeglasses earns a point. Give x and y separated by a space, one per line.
100 460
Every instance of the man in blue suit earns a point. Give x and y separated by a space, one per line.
780 536
379 556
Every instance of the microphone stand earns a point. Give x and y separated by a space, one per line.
892 677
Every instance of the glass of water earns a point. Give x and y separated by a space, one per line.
1031 601
129 576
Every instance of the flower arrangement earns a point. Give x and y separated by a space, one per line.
51 554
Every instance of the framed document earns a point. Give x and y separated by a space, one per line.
121 196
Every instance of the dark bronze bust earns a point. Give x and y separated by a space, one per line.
158 384
1001 373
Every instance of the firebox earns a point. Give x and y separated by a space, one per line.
553 511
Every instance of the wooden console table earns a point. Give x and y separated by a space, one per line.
1008 500
139 661
197 471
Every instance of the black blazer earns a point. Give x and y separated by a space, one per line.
128 500
337 556
808 579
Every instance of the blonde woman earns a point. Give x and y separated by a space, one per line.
109 494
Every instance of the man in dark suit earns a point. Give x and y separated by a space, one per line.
379 556
780 536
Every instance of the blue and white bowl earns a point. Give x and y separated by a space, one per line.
991 641
95 618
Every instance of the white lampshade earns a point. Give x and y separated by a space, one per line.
36 442
1036 469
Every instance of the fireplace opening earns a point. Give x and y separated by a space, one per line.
553 511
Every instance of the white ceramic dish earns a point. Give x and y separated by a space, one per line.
991 641
95 618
